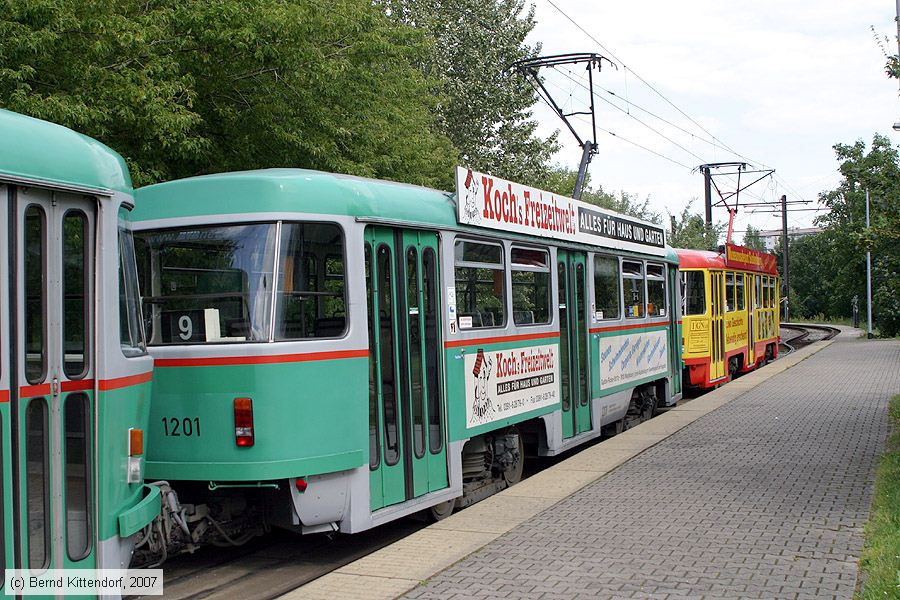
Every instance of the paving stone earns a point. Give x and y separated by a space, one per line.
765 497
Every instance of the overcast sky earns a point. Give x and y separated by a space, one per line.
778 82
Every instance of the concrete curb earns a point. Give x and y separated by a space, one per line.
398 568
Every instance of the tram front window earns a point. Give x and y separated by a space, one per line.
208 284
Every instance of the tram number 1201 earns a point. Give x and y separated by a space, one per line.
187 427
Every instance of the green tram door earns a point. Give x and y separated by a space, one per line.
573 343
48 429
407 445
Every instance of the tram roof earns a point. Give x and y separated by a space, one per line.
293 190
36 151
303 191
707 259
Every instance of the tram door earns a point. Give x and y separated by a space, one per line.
717 355
407 445
50 433
750 289
573 342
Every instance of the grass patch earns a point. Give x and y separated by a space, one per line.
880 561
822 320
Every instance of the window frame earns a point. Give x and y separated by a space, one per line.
619 287
45 243
276 293
88 292
665 288
686 295
547 268
504 270
642 277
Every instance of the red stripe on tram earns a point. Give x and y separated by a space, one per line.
219 361
121 382
501 339
77 386
27 391
4 396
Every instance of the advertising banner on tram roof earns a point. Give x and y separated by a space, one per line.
487 201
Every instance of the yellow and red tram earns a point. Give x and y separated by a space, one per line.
730 313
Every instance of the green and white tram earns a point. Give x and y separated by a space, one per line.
334 352
74 372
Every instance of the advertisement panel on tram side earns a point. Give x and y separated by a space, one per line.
504 383
631 357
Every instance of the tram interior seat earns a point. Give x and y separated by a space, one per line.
523 317
330 326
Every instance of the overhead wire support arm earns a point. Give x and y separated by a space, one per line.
529 68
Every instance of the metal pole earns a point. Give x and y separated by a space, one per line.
587 153
707 183
868 272
786 255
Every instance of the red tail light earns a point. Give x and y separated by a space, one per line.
243 422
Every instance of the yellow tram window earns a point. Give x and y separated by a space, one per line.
694 292
730 304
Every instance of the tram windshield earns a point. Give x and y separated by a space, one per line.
221 284
207 284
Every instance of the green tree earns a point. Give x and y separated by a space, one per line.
484 108
690 231
752 239
188 87
845 239
561 180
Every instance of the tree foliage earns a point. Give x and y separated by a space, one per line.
188 87
689 230
829 269
752 239
484 108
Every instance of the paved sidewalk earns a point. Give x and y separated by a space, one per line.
765 497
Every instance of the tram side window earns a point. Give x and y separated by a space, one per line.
739 286
767 300
530 270
730 305
37 465
758 299
479 276
656 291
633 284
208 284
311 300
131 334
694 294
606 287
75 286
35 297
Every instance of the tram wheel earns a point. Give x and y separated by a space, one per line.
441 511
513 474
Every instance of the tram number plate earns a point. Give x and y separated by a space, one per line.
186 427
